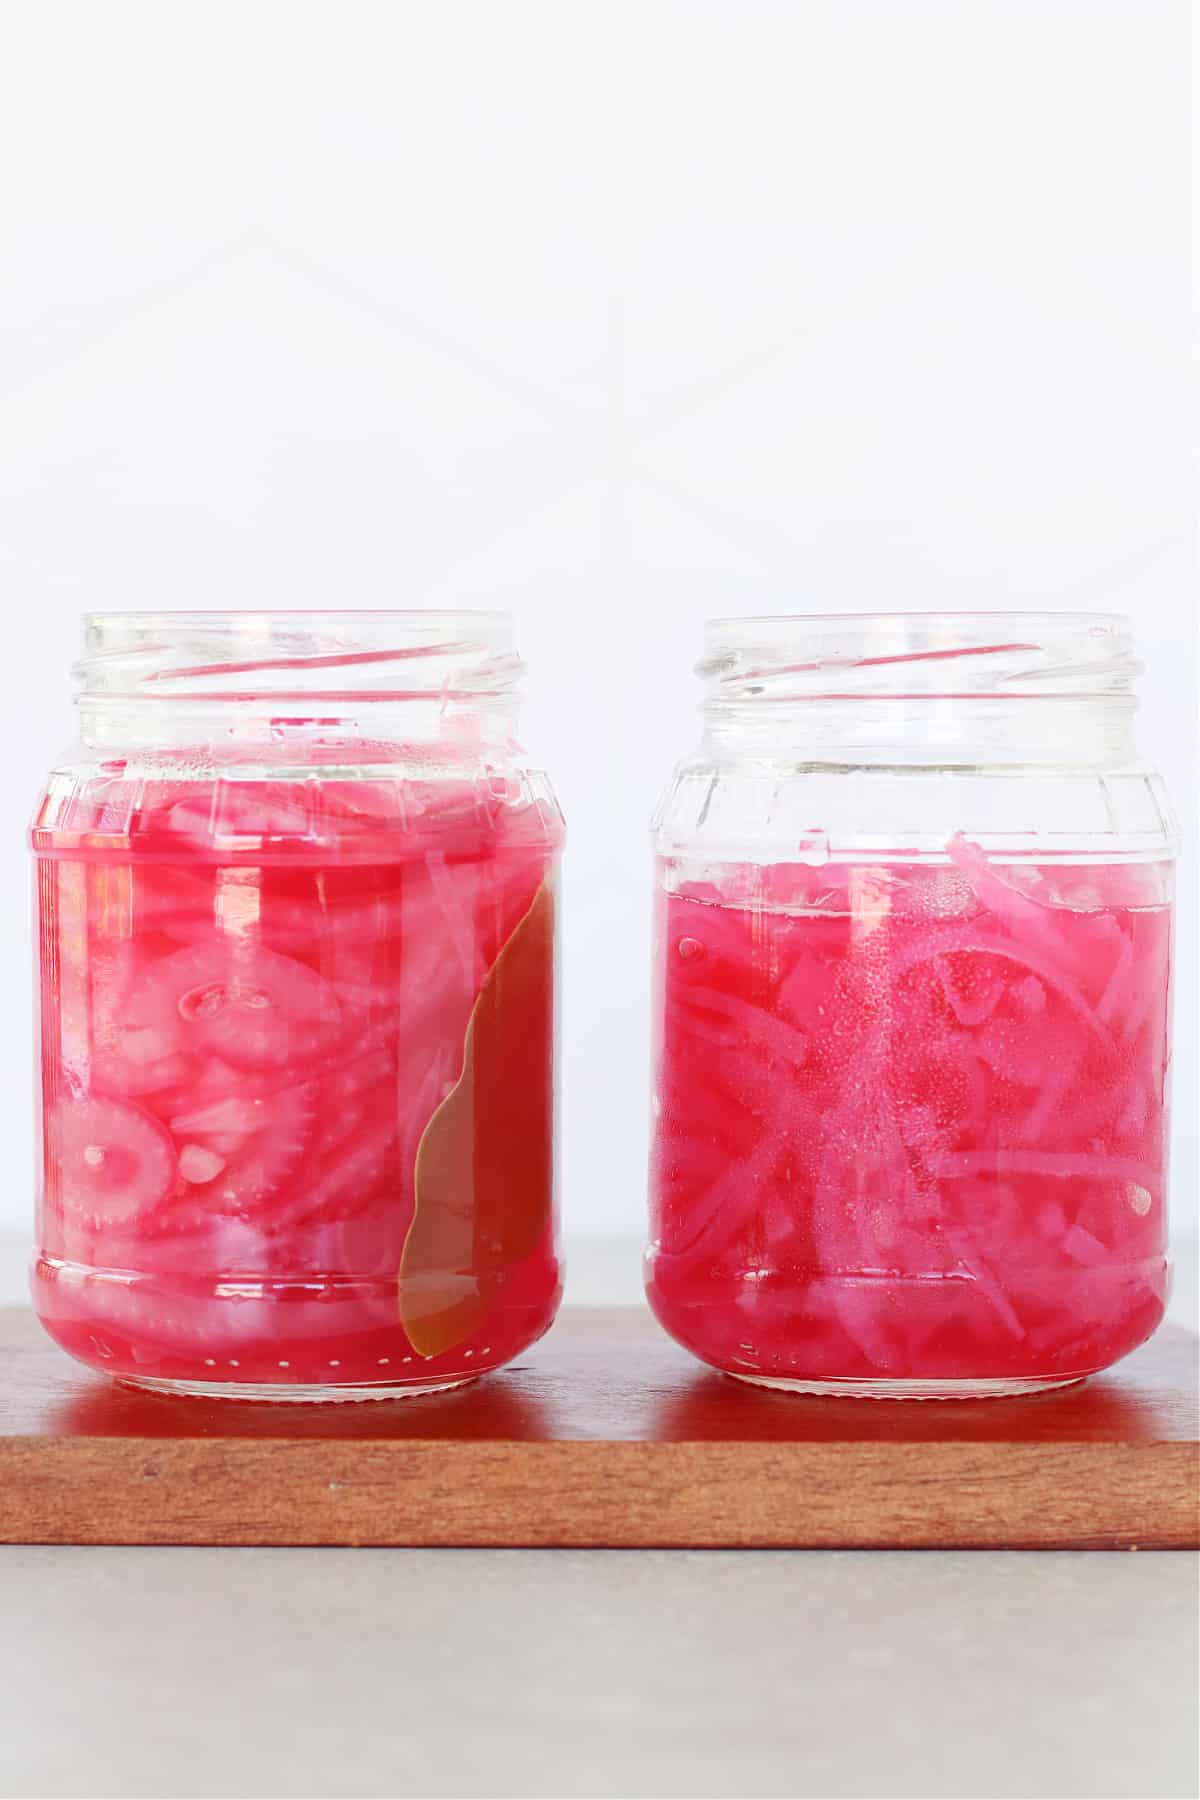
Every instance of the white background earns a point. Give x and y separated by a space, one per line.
616 315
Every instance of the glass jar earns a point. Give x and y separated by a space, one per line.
913 954
296 928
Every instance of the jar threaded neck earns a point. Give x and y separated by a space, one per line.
953 687
233 656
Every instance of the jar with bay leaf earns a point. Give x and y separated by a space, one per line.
296 927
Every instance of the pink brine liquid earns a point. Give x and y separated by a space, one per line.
911 1122
297 1078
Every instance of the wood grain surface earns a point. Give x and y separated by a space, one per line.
605 1434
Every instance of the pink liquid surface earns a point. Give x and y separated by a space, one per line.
911 1120
254 996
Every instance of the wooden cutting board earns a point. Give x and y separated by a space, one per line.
605 1434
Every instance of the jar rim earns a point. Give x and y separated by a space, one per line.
730 622
165 618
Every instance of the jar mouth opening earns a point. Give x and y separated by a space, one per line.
949 656
967 617
345 654
361 618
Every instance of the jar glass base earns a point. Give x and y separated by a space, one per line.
316 1394
948 1389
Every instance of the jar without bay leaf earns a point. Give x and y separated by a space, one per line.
913 962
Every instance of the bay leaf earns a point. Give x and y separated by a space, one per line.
484 1172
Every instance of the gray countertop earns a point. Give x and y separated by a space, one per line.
129 1672
602 1673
